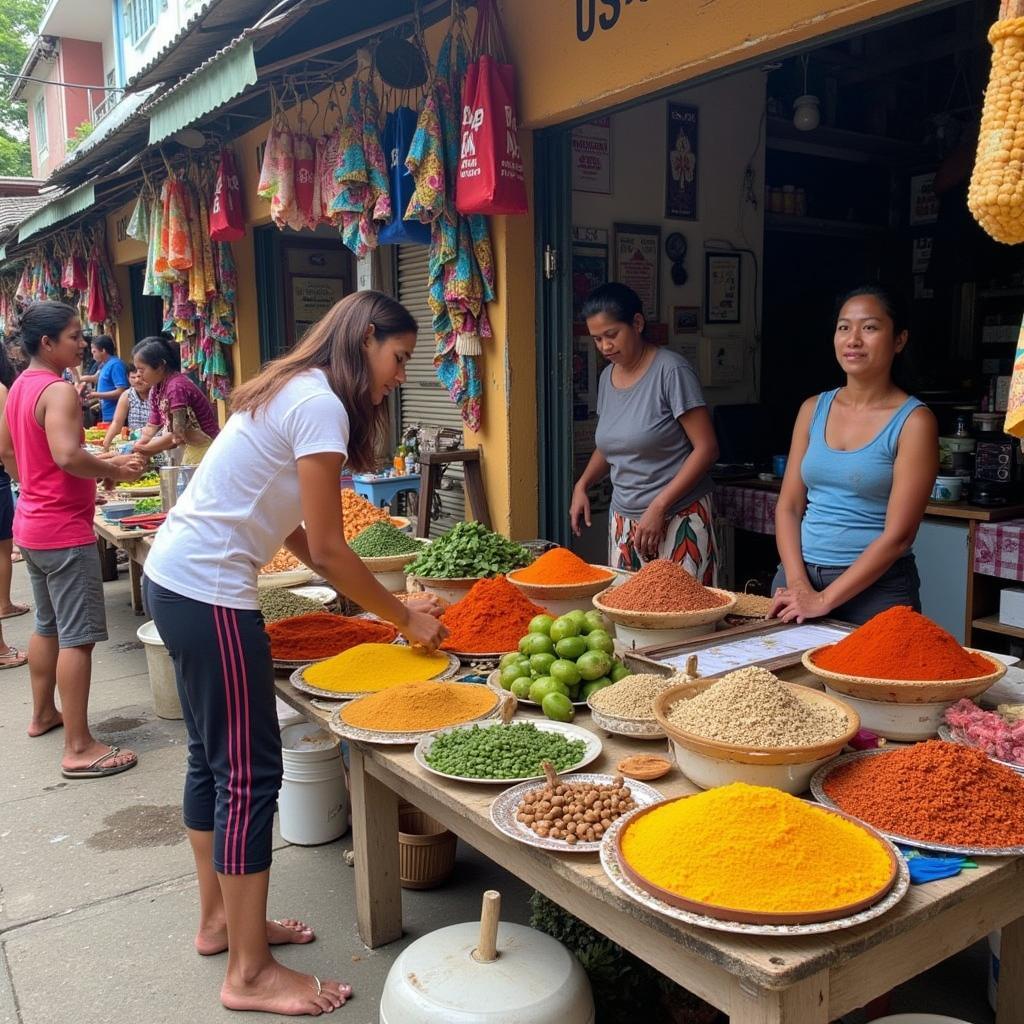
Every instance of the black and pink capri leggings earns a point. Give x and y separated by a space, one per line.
226 684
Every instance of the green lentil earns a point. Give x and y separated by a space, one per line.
278 603
469 551
502 751
382 540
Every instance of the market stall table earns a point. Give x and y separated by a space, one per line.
756 980
110 538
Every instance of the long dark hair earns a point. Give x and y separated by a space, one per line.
43 320
335 345
156 352
615 300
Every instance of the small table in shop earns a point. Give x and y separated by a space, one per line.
111 538
384 490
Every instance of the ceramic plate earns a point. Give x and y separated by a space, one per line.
506 806
613 869
325 595
571 732
634 729
818 789
953 736
298 680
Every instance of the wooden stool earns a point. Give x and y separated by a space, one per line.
430 478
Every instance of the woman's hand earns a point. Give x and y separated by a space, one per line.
579 509
427 603
649 533
422 630
798 603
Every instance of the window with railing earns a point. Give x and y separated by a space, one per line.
139 18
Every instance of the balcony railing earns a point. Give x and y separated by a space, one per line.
100 110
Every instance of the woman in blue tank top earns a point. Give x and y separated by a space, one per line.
861 468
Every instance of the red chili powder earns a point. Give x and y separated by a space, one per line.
899 643
322 635
492 617
662 586
935 791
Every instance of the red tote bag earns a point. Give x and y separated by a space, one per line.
490 176
227 219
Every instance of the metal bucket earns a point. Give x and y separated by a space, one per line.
173 481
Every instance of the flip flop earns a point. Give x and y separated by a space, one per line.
23 610
93 771
12 658
16 557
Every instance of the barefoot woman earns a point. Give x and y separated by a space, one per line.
277 464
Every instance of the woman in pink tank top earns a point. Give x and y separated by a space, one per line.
41 448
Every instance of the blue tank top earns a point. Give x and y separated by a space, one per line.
847 492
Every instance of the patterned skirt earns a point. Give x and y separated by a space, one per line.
689 540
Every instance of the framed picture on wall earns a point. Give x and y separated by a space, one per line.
685 320
637 255
681 161
722 287
589 264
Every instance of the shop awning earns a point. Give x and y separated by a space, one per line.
212 84
64 206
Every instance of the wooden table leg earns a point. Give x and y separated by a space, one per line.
474 482
1010 1005
375 844
108 560
430 476
135 579
806 1002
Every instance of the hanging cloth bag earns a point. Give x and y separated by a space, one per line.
227 217
490 174
399 129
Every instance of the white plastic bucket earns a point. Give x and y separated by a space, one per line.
313 803
920 1018
161 673
993 967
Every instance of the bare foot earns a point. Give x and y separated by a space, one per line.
12 611
214 940
41 726
278 989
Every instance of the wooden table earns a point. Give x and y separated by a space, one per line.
755 979
110 538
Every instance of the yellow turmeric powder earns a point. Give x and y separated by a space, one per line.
756 849
372 667
420 707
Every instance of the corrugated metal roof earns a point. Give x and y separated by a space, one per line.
65 205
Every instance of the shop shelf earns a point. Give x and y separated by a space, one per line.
991 624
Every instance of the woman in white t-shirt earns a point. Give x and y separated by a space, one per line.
274 467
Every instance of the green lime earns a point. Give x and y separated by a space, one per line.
597 620
545 685
510 673
558 707
593 665
579 617
509 659
593 687
540 624
521 688
599 640
619 671
565 672
536 643
571 647
540 663
564 627
574 692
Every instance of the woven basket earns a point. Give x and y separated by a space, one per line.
996 193
667 620
426 849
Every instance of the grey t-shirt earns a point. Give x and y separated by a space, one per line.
639 433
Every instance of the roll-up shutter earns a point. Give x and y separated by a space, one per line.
423 400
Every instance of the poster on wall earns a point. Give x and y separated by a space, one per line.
589 264
592 156
312 297
722 288
637 251
681 162
924 203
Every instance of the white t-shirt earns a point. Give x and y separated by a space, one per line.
244 498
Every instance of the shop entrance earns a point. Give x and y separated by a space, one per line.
147 310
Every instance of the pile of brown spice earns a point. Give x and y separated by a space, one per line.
662 586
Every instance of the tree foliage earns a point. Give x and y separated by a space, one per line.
19 20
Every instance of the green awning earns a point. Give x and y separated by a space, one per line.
210 86
64 206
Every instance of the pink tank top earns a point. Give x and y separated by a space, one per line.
55 509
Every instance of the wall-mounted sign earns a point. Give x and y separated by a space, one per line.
924 203
592 156
589 264
681 161
637 251
602 14
722 288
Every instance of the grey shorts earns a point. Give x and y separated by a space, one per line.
67 588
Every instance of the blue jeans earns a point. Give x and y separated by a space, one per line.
899 584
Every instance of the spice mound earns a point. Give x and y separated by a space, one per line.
633 696
662 586
371 667
489 619
420 707
751 708
279 603
467 551
899 643
320 634
358 513
756 849
502 751
382 540
934 791
989 731
283 561
560 567
574 811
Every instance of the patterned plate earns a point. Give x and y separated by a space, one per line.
298 680
952 736
506 807
613 869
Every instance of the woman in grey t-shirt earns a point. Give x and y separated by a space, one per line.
655 438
